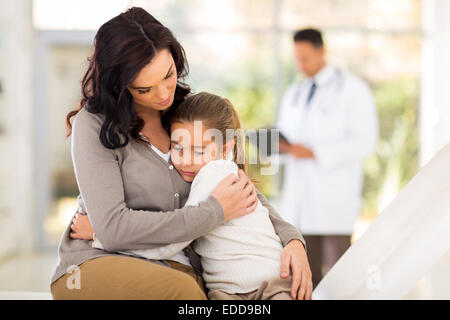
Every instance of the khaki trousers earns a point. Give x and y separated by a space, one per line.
272 289
129 278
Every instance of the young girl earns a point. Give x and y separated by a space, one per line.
241 258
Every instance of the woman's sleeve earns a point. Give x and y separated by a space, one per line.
118 227
284 230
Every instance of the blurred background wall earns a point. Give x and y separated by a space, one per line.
238 49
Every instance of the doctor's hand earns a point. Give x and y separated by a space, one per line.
293 258
284 147
296 150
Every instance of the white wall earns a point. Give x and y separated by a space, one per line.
16 43
435 119
435 84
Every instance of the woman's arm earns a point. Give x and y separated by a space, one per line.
117 226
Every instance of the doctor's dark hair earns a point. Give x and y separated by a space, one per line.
122 47
310 35
216 113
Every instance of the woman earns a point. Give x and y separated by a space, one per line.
135 198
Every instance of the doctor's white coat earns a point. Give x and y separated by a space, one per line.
323 195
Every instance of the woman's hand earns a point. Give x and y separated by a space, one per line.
237 196
294 258
81 227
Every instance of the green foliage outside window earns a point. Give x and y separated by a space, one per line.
395 160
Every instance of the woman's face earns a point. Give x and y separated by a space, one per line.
154 86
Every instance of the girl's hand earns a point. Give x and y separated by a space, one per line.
81 227
294 258
237 196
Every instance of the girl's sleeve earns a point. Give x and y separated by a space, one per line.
208 178
116 226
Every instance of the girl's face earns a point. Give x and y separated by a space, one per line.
154 86
191 148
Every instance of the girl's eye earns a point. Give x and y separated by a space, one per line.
177 148
198 152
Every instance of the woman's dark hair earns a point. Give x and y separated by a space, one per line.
122 47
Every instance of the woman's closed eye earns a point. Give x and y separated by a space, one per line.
143 91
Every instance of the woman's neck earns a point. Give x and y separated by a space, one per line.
151 117
148 114
153 128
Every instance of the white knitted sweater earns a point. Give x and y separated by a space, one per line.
236 256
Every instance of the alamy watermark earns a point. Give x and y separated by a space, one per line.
373 281
265 152
74 280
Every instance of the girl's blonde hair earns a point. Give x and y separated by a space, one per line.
216 113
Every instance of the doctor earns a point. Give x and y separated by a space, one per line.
331 123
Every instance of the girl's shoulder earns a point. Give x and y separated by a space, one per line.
215 170
221 166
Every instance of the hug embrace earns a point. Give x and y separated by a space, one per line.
166 210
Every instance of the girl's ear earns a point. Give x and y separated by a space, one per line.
227 148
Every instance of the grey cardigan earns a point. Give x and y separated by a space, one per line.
135 200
